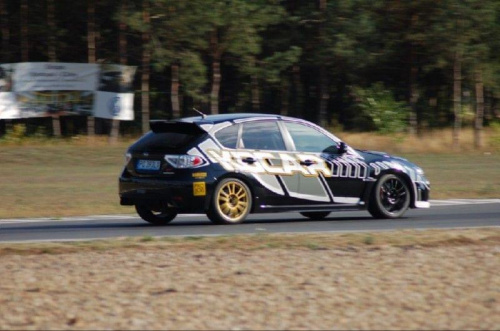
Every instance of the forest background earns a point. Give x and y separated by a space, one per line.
383 65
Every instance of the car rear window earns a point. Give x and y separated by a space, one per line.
157 142
228 137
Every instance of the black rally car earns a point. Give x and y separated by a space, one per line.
228 166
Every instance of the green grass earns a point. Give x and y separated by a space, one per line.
69 178
461 175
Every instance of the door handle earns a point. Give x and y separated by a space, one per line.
307 163
248 160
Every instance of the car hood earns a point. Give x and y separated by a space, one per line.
376 156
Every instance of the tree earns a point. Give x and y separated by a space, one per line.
146 62
463 33
234 29
5 30
91 49
51 50
24 31
344 38
122 51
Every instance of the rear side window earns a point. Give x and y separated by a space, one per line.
262 135
159 142
228 137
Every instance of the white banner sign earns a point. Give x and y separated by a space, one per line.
55 77
37 89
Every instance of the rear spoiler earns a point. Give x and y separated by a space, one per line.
159 126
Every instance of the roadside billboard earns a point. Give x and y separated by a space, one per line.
38 89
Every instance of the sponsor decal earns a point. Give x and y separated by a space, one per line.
199 175
199 189
274 163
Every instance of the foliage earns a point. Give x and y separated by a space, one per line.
290 56
378 103
15 134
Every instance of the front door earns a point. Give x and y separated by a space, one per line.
345 181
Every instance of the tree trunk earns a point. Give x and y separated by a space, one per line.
146 60
5 29
214 95
285 94
478 125
413 129
91 46
51 51
324 96
52 31
457 98
216 78
24 31
297 91
255 94
255 89
122 50
174 91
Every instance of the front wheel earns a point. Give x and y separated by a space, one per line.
231 202
390 197
154 217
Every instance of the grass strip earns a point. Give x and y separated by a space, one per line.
406 239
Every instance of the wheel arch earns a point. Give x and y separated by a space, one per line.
236 175
404 177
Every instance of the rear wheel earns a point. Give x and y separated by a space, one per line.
315 215
155 217
390 197
231 202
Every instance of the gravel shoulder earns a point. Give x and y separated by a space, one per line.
392 280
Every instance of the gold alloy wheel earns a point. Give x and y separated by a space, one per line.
233 200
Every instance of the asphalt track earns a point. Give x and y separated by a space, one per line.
443 214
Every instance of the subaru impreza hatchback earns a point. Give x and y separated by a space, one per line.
231 165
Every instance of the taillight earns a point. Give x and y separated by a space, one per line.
128 157
185 161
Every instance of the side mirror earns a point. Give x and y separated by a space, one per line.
342 147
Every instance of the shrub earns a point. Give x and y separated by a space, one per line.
378 103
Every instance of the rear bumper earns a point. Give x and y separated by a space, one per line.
159 194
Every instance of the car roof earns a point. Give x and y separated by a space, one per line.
214 119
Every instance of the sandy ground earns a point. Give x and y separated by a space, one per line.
321 284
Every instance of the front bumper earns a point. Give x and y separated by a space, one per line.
422 195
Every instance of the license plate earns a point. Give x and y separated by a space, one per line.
149 165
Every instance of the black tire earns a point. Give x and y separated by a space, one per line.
315 215
231 202
390 197
154 217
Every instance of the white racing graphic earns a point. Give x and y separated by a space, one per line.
308 165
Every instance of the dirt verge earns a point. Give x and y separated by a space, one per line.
391 280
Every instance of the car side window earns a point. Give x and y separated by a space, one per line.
307 139
264 135
228 137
